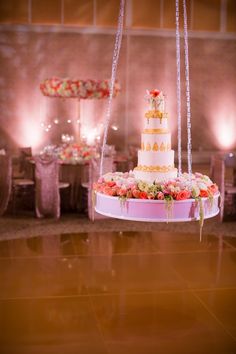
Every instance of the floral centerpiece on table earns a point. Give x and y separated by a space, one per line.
124 185
72 153
82 89
76 153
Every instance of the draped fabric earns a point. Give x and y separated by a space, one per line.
5 182
25 169
47 187
94 169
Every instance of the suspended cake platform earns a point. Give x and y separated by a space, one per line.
156 210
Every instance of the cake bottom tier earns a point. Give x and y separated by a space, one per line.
151 176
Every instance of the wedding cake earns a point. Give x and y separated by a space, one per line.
155 158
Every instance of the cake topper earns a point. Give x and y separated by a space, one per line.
156 100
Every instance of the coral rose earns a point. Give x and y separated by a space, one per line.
182 195
108 191
122 192
143 195
136 193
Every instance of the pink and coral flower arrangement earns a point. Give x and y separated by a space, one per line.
83 89
76 153
124 185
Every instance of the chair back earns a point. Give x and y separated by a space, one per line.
24 167
47 196
5 182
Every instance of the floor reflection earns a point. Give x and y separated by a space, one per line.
130 292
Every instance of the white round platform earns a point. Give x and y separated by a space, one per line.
156 210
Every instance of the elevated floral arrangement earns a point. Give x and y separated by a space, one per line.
124 185
72 153
83 89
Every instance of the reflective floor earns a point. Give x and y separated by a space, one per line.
126 293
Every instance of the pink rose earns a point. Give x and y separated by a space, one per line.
213 188
101 180
160 196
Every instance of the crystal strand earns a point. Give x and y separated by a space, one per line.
113 77
178 87
186 56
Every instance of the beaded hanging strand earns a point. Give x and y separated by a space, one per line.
178 87
113 77
186 59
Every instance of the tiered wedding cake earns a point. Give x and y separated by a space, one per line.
155 159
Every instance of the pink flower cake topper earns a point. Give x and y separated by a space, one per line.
155 99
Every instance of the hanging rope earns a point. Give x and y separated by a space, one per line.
178 87
113 77
186 56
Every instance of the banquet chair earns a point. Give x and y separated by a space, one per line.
22 178
5 182
47 189
94 174
223 173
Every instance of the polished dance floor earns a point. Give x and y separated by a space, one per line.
118 293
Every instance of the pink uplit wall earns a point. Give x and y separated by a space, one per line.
146 62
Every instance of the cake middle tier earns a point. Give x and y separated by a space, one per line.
156 123
156 158
155 141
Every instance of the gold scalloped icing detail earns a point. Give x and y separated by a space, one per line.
155 168
156 131
156 114
148 147
155 147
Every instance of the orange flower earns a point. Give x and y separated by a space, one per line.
204 193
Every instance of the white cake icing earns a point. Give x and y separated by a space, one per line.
162 141
155 159
149 158
155 123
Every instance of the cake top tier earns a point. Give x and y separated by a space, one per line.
156 100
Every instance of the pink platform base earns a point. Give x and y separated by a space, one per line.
155 210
